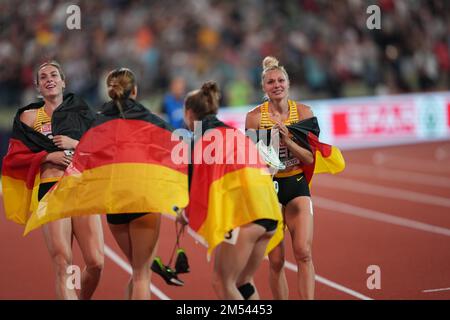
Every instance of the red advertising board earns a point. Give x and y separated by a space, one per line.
374 120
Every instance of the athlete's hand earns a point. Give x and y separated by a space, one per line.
59 158
284 132
181 218
65 142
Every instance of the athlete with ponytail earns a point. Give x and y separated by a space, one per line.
135 233
237 221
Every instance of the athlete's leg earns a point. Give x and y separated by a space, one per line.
89 234
58 238
121 233
299 220
254 262
144 232
277 276
231 259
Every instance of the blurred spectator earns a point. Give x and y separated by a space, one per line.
172 103
240 91
325 44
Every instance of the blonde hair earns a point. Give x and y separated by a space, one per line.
49 63
271 63
120 83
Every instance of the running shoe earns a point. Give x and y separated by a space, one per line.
181 264
169 275
270 156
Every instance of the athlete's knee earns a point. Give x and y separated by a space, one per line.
276 263
95 262
140 271
61 263
217 282
95 266
303 252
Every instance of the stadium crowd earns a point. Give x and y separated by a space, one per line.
326 45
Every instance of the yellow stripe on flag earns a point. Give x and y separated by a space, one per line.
334 163
236 199
19 201
115 188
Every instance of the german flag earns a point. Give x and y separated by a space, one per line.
230 191
27 148
123 164
327 158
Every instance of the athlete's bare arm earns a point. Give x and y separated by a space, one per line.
54 160
252 119
304 111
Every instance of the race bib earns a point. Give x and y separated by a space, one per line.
232 236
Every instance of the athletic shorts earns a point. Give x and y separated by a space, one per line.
123 218
267 224
44 188
111 218
291 187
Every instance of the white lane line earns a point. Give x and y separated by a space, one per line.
442 152
385 192
382 158
318 278
330 283
397 175
336 206
125 266
436 290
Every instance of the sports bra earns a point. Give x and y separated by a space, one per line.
43 123
284 153
267 123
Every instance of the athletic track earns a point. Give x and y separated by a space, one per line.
390 208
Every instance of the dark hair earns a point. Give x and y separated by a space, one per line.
120 83
204 101
49 63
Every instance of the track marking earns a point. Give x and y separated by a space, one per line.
382 158
386 192
318 278
121 263
336 206
334 285
442 152
125 266
324 203
436 290
398 175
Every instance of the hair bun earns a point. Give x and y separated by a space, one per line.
210 87
270 62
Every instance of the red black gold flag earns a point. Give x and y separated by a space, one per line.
327 158
121 165
27 148
228 187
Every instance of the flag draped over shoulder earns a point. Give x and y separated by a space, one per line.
27 148
228 187
327 158
121 165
